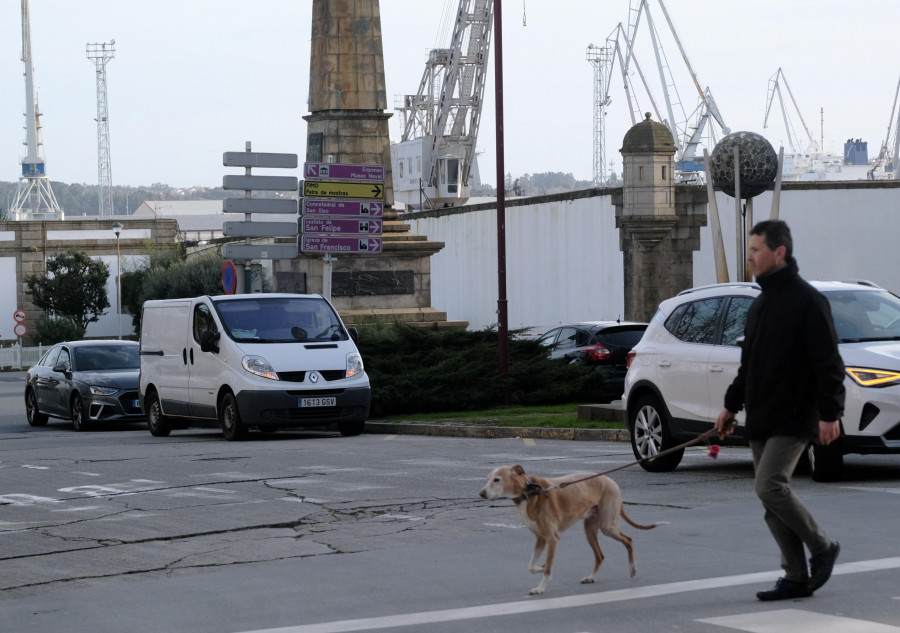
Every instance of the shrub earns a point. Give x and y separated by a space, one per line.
53 330
414 370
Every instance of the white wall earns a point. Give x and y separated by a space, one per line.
564 262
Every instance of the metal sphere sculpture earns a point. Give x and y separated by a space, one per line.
758 164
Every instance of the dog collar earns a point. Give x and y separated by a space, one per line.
531 490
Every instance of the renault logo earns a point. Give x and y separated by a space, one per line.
313 376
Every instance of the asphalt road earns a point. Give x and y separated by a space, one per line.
293 532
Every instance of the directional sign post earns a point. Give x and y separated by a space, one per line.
340 226
339 244
361 208
323 189
248 182
339 210
337 171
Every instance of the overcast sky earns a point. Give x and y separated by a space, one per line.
195 78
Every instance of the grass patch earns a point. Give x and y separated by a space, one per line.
555 416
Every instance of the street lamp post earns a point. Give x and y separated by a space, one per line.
117 228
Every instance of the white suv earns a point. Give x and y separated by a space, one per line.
679 371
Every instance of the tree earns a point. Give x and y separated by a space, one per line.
74 287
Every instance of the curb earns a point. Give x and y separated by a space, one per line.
487 432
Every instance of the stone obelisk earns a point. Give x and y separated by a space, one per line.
348 124
347 95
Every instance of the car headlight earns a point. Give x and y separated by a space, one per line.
259 366
354 364
873 377
102 391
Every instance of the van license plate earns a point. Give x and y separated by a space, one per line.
136 404
317 402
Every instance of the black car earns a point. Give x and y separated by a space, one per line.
603 345
87 382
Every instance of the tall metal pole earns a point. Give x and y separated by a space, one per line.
101 54
503 320
117 228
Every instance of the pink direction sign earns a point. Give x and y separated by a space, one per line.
335 225
338 171
362 208
337 244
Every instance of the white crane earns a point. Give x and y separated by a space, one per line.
34 197
688 129
886 166
436 154
794 141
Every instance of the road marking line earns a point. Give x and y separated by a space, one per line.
567 602
894 491
797 621
390 437
529 442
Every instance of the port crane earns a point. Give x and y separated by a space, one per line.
794 141
435 156
34 197
689 129
886 166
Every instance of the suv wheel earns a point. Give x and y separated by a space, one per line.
651 434
826 463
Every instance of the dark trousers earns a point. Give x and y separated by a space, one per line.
790 523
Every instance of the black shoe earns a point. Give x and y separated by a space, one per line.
785 589
820 566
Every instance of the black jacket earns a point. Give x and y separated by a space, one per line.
791 374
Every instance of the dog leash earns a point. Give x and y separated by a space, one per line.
532 489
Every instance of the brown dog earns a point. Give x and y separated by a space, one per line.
548 510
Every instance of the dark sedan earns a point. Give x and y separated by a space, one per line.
603 345
87 382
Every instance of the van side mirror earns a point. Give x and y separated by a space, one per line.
208 340
353 334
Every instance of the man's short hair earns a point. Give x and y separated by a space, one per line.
777 233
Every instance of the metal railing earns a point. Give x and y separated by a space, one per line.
17 357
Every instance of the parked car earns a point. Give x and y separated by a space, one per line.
690 353
88 382
603 345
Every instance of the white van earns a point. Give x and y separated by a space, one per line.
254 360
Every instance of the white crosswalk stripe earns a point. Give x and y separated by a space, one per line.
798 621
462 614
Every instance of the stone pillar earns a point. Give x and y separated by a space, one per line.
348 124
347 95
660 223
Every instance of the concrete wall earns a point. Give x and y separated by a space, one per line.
564 262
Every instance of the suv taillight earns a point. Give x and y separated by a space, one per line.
596 352
629 358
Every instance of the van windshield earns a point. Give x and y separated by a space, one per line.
280 320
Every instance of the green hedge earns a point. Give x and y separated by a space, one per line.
414 370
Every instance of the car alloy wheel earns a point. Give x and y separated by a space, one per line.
649 428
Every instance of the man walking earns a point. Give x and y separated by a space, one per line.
791 382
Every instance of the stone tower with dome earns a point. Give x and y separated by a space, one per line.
659 221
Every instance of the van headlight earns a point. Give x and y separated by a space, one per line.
354 364
259 366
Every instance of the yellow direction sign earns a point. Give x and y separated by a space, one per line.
366 191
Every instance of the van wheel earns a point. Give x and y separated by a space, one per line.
230 419
79 421
351 428
35 417
651 434
826 463
158 423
